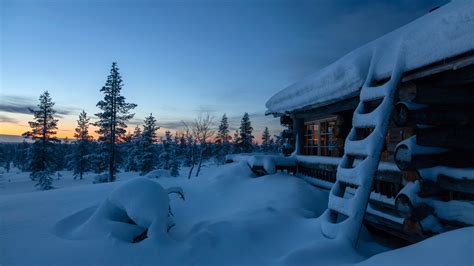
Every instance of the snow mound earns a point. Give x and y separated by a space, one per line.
158 173
229 218
139 206
451 248
268 162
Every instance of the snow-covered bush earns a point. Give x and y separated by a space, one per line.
158 173
101 178
45 179
136 210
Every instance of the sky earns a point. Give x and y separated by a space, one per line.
177 58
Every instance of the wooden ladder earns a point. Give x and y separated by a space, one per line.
358 166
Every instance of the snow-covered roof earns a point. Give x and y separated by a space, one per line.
441 34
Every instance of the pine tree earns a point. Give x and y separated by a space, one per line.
175 164
236 141
62 152
189 158
81 155
43 131
99 157
20 158
115 113
245 141
165 156
279 142
266 138
222 140
134 150
147 157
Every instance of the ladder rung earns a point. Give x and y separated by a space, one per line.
365 120
339 204
373 93
348 176
357 147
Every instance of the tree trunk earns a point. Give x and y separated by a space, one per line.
200 162
192 163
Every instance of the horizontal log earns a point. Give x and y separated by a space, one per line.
390 176
430 189
441 115
406 160
461 76
454 184
432 93
446 137
378 223
413 228
403 206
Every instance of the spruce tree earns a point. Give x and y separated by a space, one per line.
245 140
266 138
81 155
175 164
115 113
134 150
235 142
99 159
20 159
222 140
43 131
182 145
147 158
189 158
165 156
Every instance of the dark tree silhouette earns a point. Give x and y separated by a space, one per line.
43 131
112 120
245 140
81 155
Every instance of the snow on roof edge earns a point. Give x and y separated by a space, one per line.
441 34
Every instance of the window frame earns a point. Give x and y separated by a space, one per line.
317 141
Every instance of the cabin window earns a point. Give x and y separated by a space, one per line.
319 137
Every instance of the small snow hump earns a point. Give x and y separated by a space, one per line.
134 211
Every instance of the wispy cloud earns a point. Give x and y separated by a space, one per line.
22 105
7 119
174 125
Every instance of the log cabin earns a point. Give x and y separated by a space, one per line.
424 184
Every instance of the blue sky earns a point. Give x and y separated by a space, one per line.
178 58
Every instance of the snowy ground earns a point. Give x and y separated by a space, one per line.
230 217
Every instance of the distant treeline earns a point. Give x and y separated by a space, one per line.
115 149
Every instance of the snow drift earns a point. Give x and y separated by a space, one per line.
138 206
229 218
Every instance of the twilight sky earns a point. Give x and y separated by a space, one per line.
177 58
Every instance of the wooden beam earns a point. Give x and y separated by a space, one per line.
427 92
406 160
450 64
454 184
441 115
322 110
446 137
